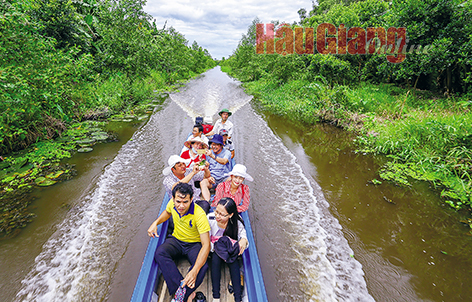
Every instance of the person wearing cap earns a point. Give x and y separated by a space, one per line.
193 145
228 144
177 172
234 188
219 159
222 123
190 238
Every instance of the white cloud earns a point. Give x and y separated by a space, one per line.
219 25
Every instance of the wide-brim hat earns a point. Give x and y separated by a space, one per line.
173 160
240 170
225 110
195 140
217 139
208 120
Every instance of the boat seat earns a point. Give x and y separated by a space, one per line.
205 287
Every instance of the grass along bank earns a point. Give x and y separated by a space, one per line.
425 137
64 62
41 164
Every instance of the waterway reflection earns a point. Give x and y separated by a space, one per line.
411 245
323 233
51 205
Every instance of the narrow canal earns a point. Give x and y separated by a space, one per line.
323 233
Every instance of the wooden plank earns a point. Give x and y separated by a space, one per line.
205 287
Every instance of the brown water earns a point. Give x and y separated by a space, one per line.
412 248
323 233
52 205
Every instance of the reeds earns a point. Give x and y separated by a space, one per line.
425 137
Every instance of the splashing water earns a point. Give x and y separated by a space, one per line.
303 253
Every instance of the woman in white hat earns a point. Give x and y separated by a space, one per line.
193 145
234 188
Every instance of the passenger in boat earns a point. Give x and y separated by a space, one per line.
222 123
200 180
192 153
198 132
219 159
228 241
234 188
190 238
228 144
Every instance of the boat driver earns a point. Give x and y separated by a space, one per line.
223 123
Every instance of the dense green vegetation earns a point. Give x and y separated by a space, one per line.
417 112
63 62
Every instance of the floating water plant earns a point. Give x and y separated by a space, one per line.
85 150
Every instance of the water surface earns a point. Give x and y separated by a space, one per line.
323 233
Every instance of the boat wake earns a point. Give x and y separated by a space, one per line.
303 253
77 262
207 98
301 240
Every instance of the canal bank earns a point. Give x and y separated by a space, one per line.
323 232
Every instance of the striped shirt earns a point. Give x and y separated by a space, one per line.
241 197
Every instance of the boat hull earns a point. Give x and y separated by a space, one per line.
148 275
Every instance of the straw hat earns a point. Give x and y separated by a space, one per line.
240 170
195 140
173 160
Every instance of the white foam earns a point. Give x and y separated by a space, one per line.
328 270
77 257
201 98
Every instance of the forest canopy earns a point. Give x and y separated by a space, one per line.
417 112
444 27
62 60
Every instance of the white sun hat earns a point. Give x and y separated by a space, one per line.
208 120
173 160
240 170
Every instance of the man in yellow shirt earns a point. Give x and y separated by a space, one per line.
190 238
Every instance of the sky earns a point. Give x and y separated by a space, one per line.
219 25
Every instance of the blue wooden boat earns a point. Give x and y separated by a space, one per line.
254 289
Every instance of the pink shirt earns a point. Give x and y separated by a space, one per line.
242 194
